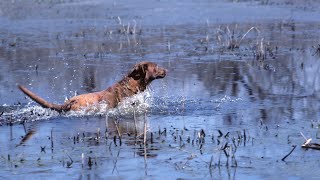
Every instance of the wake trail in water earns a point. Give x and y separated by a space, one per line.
138 104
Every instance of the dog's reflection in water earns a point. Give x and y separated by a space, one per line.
126 125
134 131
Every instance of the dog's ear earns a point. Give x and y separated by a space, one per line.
138 72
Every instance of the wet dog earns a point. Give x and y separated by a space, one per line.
136 81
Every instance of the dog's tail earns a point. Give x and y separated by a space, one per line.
42 102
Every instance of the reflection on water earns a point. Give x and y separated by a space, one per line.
212 90
218 107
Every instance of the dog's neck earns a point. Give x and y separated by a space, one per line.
133 85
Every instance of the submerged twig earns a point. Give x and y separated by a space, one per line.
89 162
69 163
220 133
294 147
51 138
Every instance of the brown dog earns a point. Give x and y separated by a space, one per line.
136 81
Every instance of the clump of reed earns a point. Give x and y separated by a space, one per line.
262 50
317 50
229 39
127 28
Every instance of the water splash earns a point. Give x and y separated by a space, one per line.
138 104
27 114
226 100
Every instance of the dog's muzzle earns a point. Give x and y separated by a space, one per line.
161 73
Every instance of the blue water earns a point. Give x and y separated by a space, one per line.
252 110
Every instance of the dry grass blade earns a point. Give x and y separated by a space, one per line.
145 132
310 145
247 34
26 137
307 144
117 127
135 123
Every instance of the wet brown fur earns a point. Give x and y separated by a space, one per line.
136 81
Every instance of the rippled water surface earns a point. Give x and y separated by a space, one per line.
243 83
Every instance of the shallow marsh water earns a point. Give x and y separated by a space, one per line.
252 101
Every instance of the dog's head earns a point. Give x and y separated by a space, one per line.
147 72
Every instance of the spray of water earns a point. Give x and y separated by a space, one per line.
138 104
